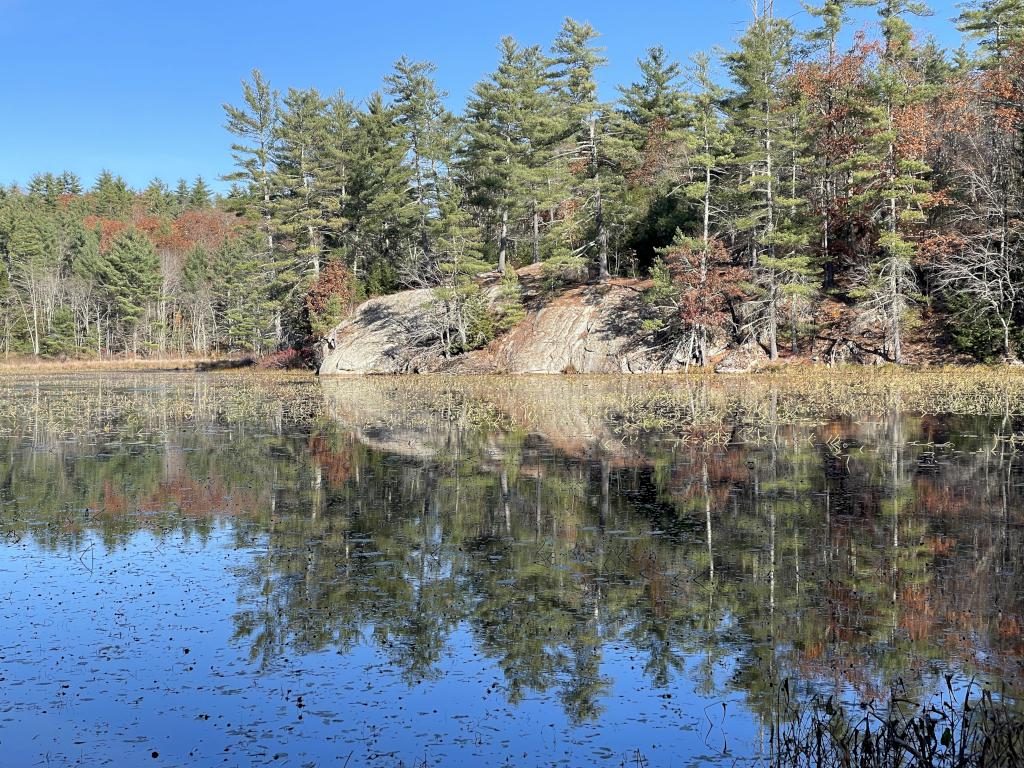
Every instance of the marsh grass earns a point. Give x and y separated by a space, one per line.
969 729
127 403
703 408
33 365
707 408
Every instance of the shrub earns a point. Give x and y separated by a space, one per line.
286 359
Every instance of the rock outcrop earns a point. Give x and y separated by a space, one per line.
594 328
381 335
587 329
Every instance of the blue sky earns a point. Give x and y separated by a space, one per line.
137 87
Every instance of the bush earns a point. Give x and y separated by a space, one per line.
286 359
563 268
328 300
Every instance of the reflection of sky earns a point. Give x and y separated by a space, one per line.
93 644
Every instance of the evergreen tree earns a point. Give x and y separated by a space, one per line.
182 195
461 312
256 126
130 274
70 183
341 121
503 135
157 199
656 106
199 196
383 211
111 197
430 133
661 142
594 152
997 26
33 268
60 336
302 209
890 175
766 214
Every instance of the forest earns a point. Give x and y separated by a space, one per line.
842 181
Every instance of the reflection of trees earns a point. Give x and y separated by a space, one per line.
797 556
843 555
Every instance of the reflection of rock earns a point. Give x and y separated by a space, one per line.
411 417
586 329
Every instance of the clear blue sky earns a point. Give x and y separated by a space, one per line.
137 87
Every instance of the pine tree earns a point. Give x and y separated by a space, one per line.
256 126
461 312
997 26
661 142
130 274
830 84
766 215
337 176
33 266
111 197
890 175
536 177
60 336
501 138
199 196
430 133
70 183
157 199
382 210
181 196
710 144
656 106
47 188
243 306
302 169
595 149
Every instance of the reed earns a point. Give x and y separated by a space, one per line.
970 729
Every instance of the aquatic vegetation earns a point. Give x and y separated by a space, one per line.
954 729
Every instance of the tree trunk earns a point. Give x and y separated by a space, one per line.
536 234
503 242
602 241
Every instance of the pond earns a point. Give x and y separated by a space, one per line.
228 569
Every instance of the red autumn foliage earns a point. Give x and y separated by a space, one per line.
108 229
336 464
335 281
1004 88
207 228
704 281
285 359
829 88
656 152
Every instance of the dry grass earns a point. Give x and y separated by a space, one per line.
32 365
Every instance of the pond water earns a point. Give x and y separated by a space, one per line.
214 570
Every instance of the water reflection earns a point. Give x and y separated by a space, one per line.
843 556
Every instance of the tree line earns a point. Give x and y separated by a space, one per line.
835 191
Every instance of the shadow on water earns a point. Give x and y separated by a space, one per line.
558 571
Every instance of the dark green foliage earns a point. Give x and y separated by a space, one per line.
976 332
60 340
129 274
